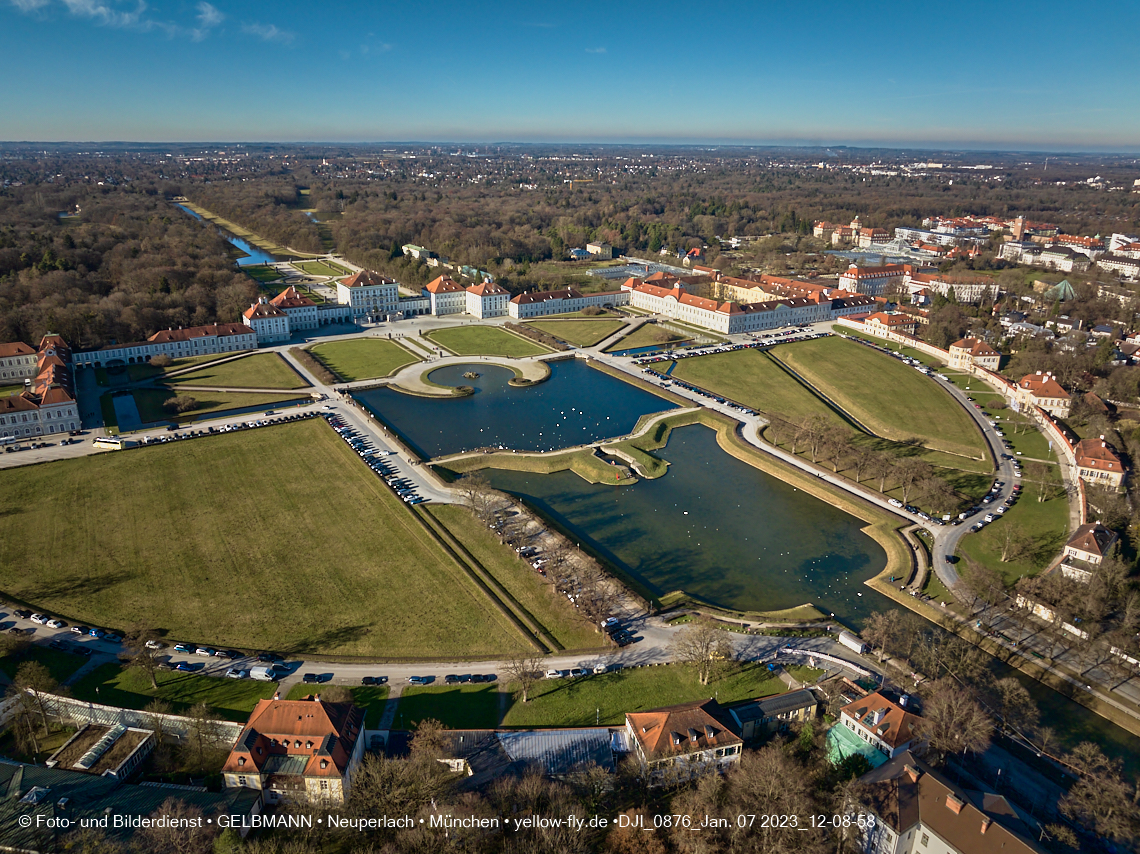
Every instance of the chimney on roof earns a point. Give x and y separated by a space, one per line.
953 804
912 772
986 822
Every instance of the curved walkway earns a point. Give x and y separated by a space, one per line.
413 378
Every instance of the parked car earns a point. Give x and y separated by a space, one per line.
237 673
154 644
184 667
206 651
56 624
184 647
38 619
310 678
451 679
576 672
420 680
553 674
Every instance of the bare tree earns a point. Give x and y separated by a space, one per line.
704 646
881 630
137 653
33 684
1015 542
882 467
523 671
1101 800
985 584
186 834
478 495
953 721
204 735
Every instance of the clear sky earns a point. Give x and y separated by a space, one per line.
1044 75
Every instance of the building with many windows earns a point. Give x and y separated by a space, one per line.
17 362
47 405
1098 463
488 300
973 351
301 751
562 302
873 281
1043 390
179 343
885 725
446 296
368 292
679 742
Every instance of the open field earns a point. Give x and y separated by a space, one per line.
1046 523
262 273
150 400
363 358
583 333
485 341
6 390
603 698
925 358
263 370
147 371
891 399
648 335
239 540
321 268
59 664
527 587
751 378
130 688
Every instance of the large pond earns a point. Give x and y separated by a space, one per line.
577 405
717 528
253 255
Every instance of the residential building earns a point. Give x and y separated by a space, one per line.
823 229
963 289
1063 258
488 300
873 281
1124 266
417 252
579 255
842 234
446 296
17 362
865 238
298 750
1043 390
971 351
1090 544
47 405
1090 246
562 302
763 717
880 722
917 811
600 250
892 321
678 742
1098 464
368 292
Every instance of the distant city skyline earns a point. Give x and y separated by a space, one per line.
960 77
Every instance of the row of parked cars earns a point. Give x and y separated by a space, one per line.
174 436
377 460
57 623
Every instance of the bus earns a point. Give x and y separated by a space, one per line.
108 442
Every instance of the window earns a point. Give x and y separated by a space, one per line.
925 839
324 785
242 781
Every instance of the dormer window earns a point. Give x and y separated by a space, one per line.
324 763
241 760
308 745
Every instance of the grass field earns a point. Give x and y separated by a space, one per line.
751 378
147 371
1045 522
241 540
320 268
130 688
893 400
485 341
364 358
264 370
59 664
582 462
532 592
6 390
150 400
583 333
262 273
648 335
603 698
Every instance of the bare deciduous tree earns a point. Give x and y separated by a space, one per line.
704 646
523 671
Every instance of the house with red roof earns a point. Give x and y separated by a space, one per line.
445 296
1090 544
47 404
564 301
17 362
967 352
268 322
369 292
892 321
1043 390
881 723
300 751
1098 463
678 742
487 299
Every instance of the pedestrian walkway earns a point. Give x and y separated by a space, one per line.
390 706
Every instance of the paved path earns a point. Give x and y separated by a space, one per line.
413 377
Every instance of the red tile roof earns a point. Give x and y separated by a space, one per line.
367 279
443 285
324 733
487 289
895 726
679 730
1043 385
291 298
261 309
219 330
1093 538
1097 454
16 348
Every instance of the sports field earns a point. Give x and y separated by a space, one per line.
485 341
363 358
893 400
264 370
242 540
751 378
583 333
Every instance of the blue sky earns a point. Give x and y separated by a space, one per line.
958 75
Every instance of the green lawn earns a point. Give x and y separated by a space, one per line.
263 370
603 698
262 273
6 390
150 400
320 268
364 358
890 398
751 378
130 688
371 699
647 335
583 333
59 664
1046 522
527 587
485 341
273 538
147 371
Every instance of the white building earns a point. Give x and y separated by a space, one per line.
368 292
268 322
564 301
176 343
17 362
873 281
48 405
445 296
488 300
